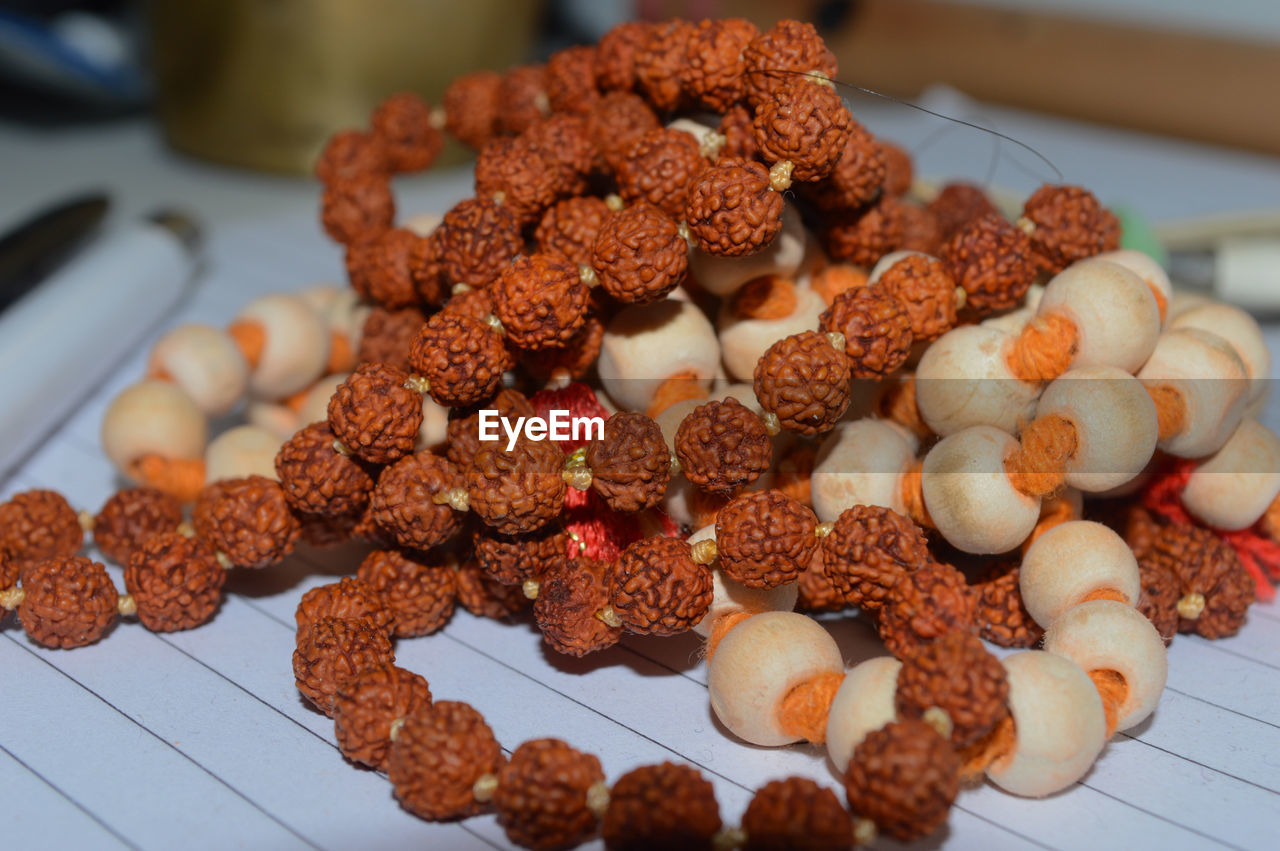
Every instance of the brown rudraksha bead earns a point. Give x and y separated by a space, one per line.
512 559
426 272
436 758
461 359
723 446
868 550
639 255
522 98
876 329
516 490
475 241
857 177
350 598
631 464
780 54
815 590
661 806
520 176
403 124
357 209
660 63
474 304
615 59
715 67
380 270
541 797
924 605
318 479
739 134
332 651
410 500
374 415
765 539
572 593
463 431
658 169
564 138
1002 617
388 334
796 814
129 518
899 170
486 598
804 123
991 259
957 675
863 235
541 301
36 525
418 592
247 521
571 79
175 581
658 589
958 204
615 123
367 705
804 380
575 359
69 602
351 153
1066 224
328 530
904 778
920 230
1215 591
926 293
471 108
568 230
1158 601
732 210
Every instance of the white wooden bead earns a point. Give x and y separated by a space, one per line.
860 463
964 380
678 502
1061 726
1070 562
433 434
647 343
1115 420
743 341
1213 382
422 224
969 495
784 256
205 362
1012 322
296 347
728 595
1104 635
1240 331
758 663
280 420
863 704
886 262
699 131
346 316
153 418
1183 300
246 450
1233 487
1115 314
1146 268
320 297
315 405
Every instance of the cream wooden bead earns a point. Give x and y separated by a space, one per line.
1213 382
709 140
1115 314
743 341
153 418
964 380
1072 562
1060 724
422 224
728 596
1240 331
758 663
1181 301
315 405
784 256
679 500
246 450
1233 487
296 347
647 343
1146 268
1012 322
863 704
885 263
969 495
205 362
433 433
860 463
320 297
1115 420
1104 635
280 420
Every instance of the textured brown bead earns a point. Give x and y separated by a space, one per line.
357 209
69 602
815 590
568 229
374 415
1068 224
1202 563
522 98
388 334
731 210
615 58
565 139
926 293
723 446
658 589
461 359
899 168
175 581
805 124
796 814
519 176
616 123
739 134
380 270
324 530
129 518
426 272
403 503
512 559
924 605
575 359
991 259
331 651
350 598
958 675
463 431
474 304
351 153
660 63
864 235
876 329
484 597
367 705
639 255
661 806
958 204
419 593
868 550
631 465
658 169
517 490
1158 601
570 594
714 64
774 59
475 241
804 381
471 108
402 123
437 757
1002 617
247 520
765 538
36 525
920 231
858 176
571 79
318 479
903 777
541 797
540 301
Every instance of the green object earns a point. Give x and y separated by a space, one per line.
1137 233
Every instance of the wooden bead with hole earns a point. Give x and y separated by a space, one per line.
1075 562
861 462
1234 487
863 703
964 380
1212 382
1115 314
645 344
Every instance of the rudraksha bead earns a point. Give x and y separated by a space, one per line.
958 204
471 108
723 446
351 153
475 241
616 122
864 235
436 758
765 539
569 228
461 359
485 597
876 329
899 170
571 79
868 550
513 559
374 415
920 230
575 359
815 590
924 605
520 176
247 521
1215 591
463 431
631 464
903 777
357 209
1002 617
1067 224
776 57
858 176
661 806
571 593
1158 601
565 139
804 380
958 675
387 336
333 650
419 592
541 797
660 63
350 598
926 293
796 814
129 518
367 705
175 581
639 255
516 490
36 525
522 98
658 169
714 74
318 479
409 502
380 269
402 123
732 210
991 259
804 123
69 601
739 134
615 59
541 301
658 589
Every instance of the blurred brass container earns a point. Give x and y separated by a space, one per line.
262 83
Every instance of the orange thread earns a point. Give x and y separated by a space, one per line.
681 387
1271 520
1171 409
987 751
1037 467
1114 691
913 495
793 476
1105 594
833 280
181 478
341 357
721 628
1044 349
896 402
1054 511
1162 303
297 400
159 373
251 339
766 297
803 712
